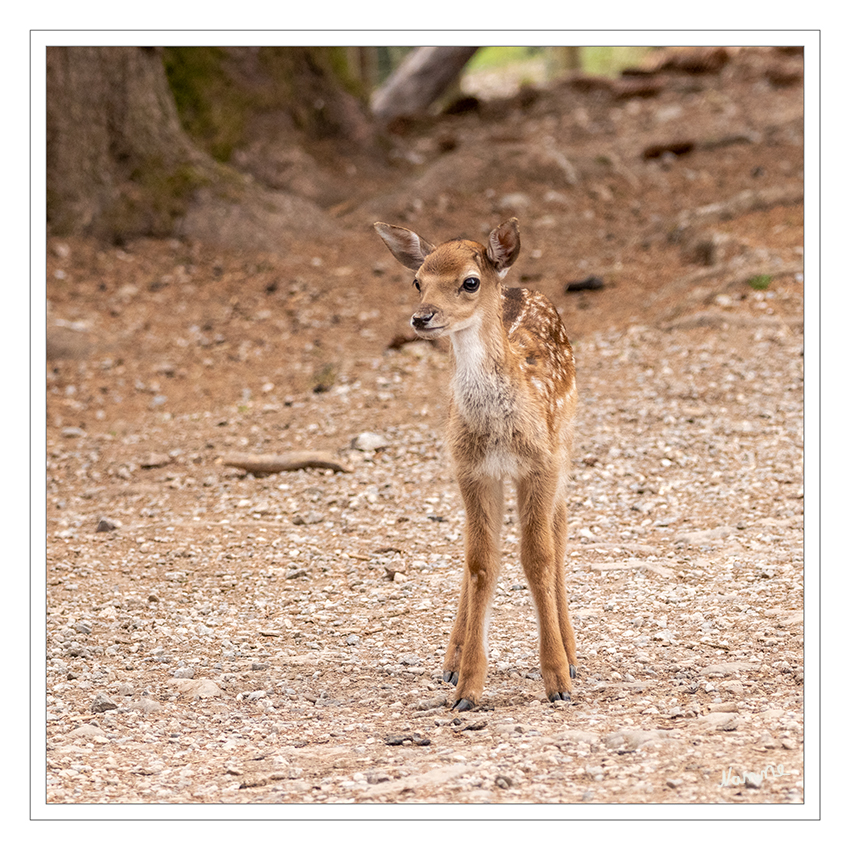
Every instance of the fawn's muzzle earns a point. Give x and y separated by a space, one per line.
422 318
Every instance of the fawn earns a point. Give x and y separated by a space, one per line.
511 409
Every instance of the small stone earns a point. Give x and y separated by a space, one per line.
369 441
145 705
102 703
721 720
106 525
198 689
155 460
352 640
516 201
183 673
87 730
312 518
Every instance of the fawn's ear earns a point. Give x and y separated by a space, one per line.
503 246
407 247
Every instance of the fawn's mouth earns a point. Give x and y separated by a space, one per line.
430 333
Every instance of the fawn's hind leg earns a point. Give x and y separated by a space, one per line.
566 626
535 497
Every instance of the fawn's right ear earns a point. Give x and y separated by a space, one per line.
407 247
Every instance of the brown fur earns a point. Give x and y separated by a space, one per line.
511 411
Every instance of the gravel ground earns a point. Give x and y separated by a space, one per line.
218 637
237 639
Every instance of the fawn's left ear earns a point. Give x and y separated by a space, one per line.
503 246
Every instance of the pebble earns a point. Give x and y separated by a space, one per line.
87 730
102 702
183 673
145 705
369 441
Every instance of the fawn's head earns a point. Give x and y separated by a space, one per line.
459 282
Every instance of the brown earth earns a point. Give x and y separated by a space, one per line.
227 638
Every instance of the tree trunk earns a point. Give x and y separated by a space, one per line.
421 78
118 161
120 164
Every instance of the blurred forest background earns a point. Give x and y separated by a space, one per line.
138 135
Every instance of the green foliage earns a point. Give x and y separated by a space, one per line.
499 57
760 281
610 61
211 109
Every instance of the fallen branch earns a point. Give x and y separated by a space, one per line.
289 462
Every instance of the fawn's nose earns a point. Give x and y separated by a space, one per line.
422 318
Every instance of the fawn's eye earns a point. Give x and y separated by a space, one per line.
416 285
471 284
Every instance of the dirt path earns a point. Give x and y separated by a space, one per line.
225 638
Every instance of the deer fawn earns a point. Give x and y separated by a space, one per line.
511 410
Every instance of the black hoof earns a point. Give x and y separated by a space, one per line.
556 697
463 705
572 672
450 677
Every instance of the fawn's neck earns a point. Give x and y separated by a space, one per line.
481 384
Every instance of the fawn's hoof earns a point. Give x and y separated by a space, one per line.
450 677
463 705
559 696
572 672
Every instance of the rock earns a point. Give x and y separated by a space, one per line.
626 740
514 201
155 460
144 705
369 441
183 673
106 525
591 283
352 640
312 518
102 703
696 538
727 669
404 737
197 688
87 730
724 721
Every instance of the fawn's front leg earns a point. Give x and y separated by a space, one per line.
466 658
538 555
